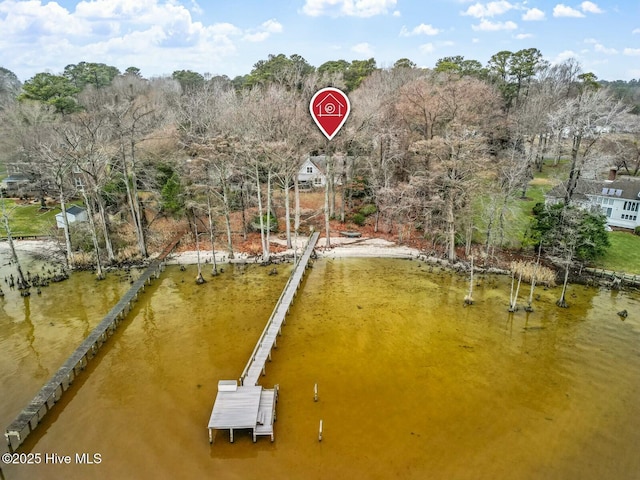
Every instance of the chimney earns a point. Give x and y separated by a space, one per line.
613 172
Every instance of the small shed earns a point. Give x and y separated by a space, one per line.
74 214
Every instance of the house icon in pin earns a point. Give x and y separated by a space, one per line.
329 106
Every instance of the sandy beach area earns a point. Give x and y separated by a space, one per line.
340 247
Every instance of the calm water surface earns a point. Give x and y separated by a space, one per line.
411 383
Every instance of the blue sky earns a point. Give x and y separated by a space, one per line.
229 37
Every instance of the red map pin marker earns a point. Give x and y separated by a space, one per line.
330 108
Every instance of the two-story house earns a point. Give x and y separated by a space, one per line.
618 198
313 171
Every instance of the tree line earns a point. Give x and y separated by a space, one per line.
442 153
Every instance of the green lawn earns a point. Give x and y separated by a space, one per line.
520 210
623 255
28 219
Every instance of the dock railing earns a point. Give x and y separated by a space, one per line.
296 276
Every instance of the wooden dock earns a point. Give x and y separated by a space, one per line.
51 392
262 351
248 405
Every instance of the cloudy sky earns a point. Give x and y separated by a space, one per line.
229 36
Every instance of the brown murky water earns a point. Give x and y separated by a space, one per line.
411 384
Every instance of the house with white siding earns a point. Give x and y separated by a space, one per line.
313 171
618 198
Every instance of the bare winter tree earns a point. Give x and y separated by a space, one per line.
205 124
375 133
4 214
583 121
451 120
135 108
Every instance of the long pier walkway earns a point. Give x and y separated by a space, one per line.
262 351
249 406
50 393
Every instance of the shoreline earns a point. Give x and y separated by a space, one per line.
340 247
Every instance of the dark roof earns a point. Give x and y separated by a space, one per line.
17 177
625 187
75 210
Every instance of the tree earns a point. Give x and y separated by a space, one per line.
584 120
277 139
4 213
188 79
133 108
451 121
84 137
374 136
404 63
523 66
171 191
357 72
289 71
457 64
88 73
568 233
205 119
133 72
55 90
9 87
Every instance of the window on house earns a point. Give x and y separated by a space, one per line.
618 192
317 181
309 169
604 190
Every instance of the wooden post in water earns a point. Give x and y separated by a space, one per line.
320 432
315 393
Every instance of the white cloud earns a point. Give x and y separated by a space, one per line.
564 55
195 8
157 36
636 31
352 8
263 32
475 40
590 7
428 48
34 19
397 13
533 14
590 40
632 51
561 10
421 29
488 26
491 9
363 49
523 36
598 47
